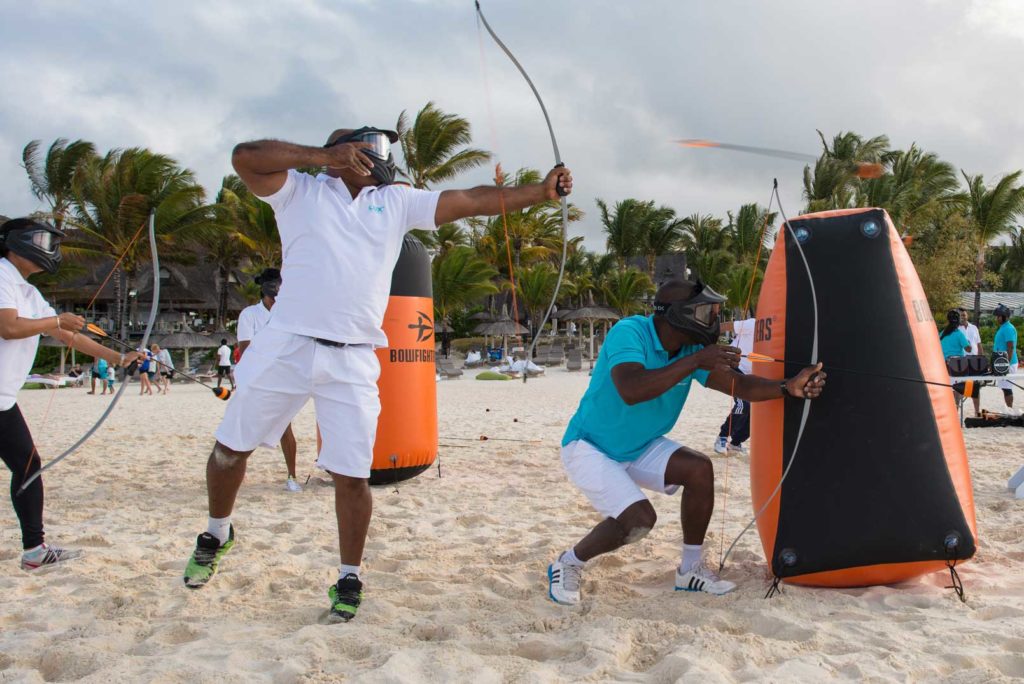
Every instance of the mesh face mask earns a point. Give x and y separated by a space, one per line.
379 152
698 316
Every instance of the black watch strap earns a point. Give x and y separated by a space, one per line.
785 390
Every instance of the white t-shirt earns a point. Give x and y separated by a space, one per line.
16 356
252 319
339 252
973 336
743 337
166 362
224 355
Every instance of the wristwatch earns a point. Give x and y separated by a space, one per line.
785 390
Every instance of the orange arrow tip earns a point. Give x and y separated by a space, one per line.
697 143
869 170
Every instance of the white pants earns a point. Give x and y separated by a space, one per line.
613 486
1005 384
278 374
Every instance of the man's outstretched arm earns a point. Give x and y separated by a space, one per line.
487 200
807 383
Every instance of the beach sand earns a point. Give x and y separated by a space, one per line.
455 567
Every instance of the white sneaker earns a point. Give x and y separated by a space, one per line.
47 555
292 486
702 578
720 445
736 449
564 583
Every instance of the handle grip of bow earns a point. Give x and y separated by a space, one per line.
562 192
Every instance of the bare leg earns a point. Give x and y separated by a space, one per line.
693 470
353 505
977 405
289 447
225 470
1008 398
611 533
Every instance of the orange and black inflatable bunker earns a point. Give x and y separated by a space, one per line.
406 442
879 489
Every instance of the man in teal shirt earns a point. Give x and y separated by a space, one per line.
615 443
1006 341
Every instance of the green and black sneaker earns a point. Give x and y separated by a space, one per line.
203 563
345 596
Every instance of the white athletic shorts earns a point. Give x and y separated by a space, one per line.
1005 384
278 374
613 486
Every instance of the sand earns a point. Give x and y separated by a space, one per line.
455 567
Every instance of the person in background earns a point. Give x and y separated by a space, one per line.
163 367
224 364
953 340
28 246
974 337
1006 342
111 377
735 429
100 372
146 374
94 372
251 320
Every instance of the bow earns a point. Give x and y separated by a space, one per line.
807 401
145 340
558 189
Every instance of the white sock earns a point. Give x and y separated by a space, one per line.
692 554
219 528
569 558
347 570
34 550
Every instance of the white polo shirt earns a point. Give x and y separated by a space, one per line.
251 320
973 336
339 252
16 356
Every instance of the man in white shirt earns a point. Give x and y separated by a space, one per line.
224 364
974 337
341 234
736 428
251 320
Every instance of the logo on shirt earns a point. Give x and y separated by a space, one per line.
376 208
424 327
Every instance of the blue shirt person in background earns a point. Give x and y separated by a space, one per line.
953 340
1006 341
615 443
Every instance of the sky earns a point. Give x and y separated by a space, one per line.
621 81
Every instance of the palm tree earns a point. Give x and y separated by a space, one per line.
748 230
113 196
51 176
623 227
534 287
1008 261
458 278
625 289
253 222
435 147
834 183
992 212
661 233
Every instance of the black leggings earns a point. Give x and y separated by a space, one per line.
19 454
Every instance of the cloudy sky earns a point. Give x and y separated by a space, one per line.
621 80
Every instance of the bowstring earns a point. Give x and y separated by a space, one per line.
732 388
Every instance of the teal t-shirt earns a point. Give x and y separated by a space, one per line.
619 430
954 343
1006 333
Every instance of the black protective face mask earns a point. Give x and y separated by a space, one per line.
697 316
35 241
384 169
270 288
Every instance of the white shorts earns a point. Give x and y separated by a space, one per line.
1005 384
613 486
278 374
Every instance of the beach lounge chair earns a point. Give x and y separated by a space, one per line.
447 369
473 359
554 357
574 360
